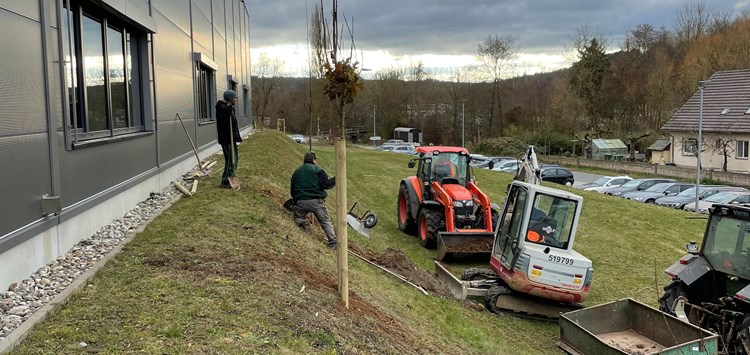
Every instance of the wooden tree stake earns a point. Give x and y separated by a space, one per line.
341 226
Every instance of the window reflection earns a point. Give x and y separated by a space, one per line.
116 63
93 75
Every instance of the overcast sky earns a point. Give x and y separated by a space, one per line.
447 32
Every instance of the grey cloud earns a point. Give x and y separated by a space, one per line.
457 27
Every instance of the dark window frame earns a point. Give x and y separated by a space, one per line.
79 126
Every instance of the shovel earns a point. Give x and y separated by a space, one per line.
234 182
195 150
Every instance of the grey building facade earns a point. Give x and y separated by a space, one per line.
89 92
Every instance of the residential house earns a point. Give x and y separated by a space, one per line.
725 127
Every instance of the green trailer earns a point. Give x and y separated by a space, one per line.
630 327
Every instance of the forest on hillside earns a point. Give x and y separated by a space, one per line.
628 94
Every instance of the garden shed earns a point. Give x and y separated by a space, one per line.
660 151
408 135
608 149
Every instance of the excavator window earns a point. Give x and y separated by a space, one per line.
551 221
510 224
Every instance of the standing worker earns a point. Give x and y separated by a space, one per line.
225 113
308 186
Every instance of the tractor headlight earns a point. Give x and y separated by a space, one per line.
463 203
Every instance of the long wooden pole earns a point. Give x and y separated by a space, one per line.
341 226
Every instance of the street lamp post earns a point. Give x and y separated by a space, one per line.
462 121
701 85
374 143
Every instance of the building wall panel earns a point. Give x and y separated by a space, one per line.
21 76
25 177
25 8
84 172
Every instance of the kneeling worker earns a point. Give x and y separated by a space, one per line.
308 186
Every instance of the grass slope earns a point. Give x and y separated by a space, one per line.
229 272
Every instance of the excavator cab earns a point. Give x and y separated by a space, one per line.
533 249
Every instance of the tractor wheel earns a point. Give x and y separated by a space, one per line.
405 221
370 220
475 273
428 227
490 298
495 219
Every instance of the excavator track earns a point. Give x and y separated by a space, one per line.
501 299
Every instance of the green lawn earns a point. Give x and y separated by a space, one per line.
223 272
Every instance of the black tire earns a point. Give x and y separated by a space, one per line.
495 218
405 221
490 298
569 183
651 201
370 220
429 221
475 273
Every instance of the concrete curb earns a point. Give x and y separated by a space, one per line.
19 334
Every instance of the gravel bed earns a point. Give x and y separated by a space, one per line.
23 298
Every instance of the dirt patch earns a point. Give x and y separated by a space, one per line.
396 261
363 328
631 342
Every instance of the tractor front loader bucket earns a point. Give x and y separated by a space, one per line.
464 245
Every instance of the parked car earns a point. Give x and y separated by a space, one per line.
725 197
659 190
635 185
485 162
299 138
683 198
405 149
605 182
557 174
390 144
508 166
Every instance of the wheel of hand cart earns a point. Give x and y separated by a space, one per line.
490 298
370 220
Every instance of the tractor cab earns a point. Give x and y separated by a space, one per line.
443 165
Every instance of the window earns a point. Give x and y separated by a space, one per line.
102 73
725 111
245 100
204 77
689 146
742 147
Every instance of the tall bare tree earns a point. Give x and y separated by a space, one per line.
494 54
267 73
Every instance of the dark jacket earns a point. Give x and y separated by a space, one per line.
309 182
224 113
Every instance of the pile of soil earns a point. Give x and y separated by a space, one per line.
396 261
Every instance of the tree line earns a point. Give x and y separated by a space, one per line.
628 94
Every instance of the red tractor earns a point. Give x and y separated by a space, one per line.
444 206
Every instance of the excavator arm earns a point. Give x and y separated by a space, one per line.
528 168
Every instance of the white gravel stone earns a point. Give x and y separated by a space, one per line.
24 298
